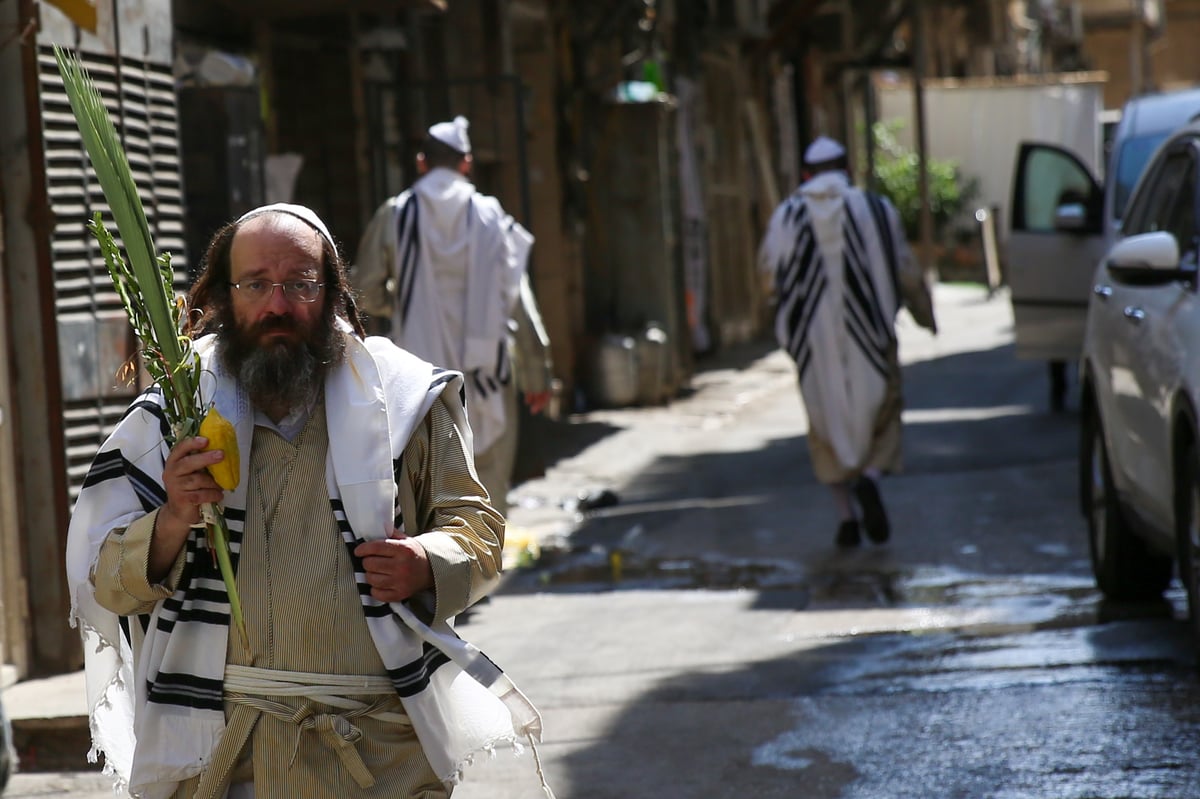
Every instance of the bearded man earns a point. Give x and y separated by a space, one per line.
358 530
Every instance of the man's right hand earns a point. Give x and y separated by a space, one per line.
189 485
187 480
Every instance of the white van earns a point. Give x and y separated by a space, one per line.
1064 219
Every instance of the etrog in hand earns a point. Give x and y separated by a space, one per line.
221 435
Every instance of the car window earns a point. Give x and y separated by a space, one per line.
1142 205
1132 156
1156 206
1181 217
1051 179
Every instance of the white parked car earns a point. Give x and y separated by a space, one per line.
1065 216
1140 388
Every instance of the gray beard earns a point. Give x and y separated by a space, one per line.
283 376
280 378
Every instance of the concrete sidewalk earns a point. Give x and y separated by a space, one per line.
49 722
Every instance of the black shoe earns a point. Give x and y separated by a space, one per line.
874 517
847 534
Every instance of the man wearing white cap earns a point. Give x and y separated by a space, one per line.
357 530
447 266
842 269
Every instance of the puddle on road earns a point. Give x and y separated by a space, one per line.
616 569
1024 601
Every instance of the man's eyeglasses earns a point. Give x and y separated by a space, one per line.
293 290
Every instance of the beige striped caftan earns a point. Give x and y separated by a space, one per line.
303 614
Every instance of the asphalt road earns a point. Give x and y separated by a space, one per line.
699 636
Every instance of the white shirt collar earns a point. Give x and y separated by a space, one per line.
289 426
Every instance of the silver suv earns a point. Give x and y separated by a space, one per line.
1140 388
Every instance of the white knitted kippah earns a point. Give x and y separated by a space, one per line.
823 149
299 211
453 134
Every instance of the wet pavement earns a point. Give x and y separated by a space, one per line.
688 629
712 642
748 693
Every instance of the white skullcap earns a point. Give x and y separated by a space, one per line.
301 212
453 134
823 149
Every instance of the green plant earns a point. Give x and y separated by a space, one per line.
897 173
144 283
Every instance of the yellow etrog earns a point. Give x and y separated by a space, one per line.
220 434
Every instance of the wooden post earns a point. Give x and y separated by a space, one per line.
761 149
33 419
920 53
14 633
846 79
1137 49
869 122
263 46
358 101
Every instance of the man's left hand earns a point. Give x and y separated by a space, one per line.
396 568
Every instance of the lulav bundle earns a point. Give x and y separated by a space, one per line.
146 286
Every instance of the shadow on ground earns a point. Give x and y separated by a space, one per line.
889 716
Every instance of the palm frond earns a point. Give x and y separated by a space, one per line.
116 179
144 283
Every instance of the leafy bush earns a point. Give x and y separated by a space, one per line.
896 175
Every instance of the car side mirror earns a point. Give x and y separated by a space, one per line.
1071 218
1148 259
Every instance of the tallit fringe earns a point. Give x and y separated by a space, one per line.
120 784
457 777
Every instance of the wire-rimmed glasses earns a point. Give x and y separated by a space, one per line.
258 290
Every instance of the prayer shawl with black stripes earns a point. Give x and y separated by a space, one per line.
836 252
154 684
446 234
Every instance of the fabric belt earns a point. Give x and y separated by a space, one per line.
251 687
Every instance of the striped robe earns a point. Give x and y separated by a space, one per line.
842 269
443 262
303 614
155 679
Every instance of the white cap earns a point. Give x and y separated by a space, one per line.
453 134
823 149
301 212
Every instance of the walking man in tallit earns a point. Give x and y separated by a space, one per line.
445 264
842 269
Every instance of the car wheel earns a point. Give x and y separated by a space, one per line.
1124 567
1187 520
1058 386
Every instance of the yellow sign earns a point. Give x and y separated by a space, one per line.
81 12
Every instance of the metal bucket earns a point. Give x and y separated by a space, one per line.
614 373
653 361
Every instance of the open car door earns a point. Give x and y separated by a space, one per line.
1055 241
